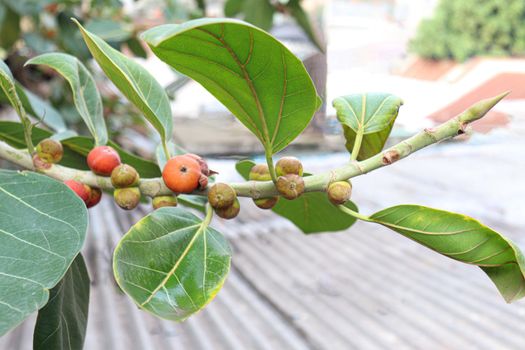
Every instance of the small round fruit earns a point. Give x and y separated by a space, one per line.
94 197
81 190
39 164
181 174
50 151
260 172
266 203
290 186
102 160
124 175
127 198
229 212
221 196
164 201
339 192
288 165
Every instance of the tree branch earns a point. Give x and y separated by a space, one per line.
315 183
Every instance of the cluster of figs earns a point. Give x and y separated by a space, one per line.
182 174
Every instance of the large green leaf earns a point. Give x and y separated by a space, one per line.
171 263
109 30
312 212
61 324
372 115
134 81
255 76
259 13
464 239
85 94
76 148
42 228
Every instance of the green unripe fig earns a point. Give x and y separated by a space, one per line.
290 186
260 172
288 165
127 198
164 201
124 175
229 212
339 192
221 196
266 203
50 151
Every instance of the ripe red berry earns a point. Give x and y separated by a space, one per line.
94 197
102 160
82 190
182 174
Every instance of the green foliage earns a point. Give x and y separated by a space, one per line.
462 29
62 323
255 76
464 239
85 94
135 82
171 263
368 116
34 258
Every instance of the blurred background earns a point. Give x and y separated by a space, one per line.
367 288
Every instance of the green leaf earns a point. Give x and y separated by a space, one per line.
76 148
85 94
171 263
136 47
464 239
8 86
42 228
232 7
61 324
255 76
9 27
302 19
40 109
193 201
135 82
259 13
109 30
372 114
312 212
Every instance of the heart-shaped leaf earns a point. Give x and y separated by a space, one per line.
134 81
464 239
42 228
85 94
255 76
312 212
61 324
368 117
171 263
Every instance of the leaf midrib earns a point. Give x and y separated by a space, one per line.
202 227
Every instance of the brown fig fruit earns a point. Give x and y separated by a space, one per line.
94 197
124 175
290 186
260 172
288 165
221 196
229 212
50 151
339 192
266 203
127 198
